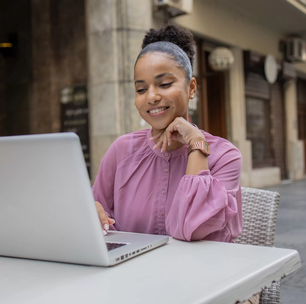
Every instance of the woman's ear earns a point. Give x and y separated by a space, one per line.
192 87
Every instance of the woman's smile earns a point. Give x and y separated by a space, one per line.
157 111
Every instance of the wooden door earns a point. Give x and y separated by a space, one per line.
213 84
301 101
216 105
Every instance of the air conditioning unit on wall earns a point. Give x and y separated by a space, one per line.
296 50
174 7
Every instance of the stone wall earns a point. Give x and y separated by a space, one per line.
115 30
294 147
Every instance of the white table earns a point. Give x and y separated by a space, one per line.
179 272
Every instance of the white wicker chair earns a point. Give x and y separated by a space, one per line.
259 213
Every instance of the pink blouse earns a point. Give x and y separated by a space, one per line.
147 191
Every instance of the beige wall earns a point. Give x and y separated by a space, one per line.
211 19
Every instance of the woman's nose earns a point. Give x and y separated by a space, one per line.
153 96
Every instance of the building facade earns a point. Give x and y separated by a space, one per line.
94 43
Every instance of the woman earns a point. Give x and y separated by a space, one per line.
163 180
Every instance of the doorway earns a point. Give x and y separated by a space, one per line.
211 93
301 105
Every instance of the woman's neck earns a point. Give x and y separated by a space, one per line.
175 145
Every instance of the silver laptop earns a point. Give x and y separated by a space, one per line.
47 210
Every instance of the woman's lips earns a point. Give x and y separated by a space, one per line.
157 111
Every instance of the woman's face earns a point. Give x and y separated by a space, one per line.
162 92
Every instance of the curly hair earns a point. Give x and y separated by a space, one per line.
173 40
174 33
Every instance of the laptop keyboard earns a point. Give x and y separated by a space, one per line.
112 246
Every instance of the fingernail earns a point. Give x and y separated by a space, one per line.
168 143
106 227
161 150
113 221
151 138
104 232
154 147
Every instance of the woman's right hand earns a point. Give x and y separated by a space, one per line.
104 219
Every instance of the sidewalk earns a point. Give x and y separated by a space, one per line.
291 233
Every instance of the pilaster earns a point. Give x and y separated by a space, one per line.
294 147
115 29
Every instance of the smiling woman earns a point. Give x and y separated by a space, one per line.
162 92
174 178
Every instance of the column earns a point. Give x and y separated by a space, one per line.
294 147
115 30
238 116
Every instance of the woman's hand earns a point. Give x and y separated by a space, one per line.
104 219
179 130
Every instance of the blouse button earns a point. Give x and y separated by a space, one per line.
166 154
163 192
161 213
166 170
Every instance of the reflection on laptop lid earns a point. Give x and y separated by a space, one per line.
47 210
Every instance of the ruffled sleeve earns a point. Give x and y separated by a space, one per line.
205 205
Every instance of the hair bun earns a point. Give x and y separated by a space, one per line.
175 34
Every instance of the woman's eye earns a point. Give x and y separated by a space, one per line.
166 85
140 90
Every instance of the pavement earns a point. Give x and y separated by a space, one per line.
291 233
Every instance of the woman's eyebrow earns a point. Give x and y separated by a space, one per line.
162 75
156 77
139 81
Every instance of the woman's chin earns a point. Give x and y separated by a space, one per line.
159 127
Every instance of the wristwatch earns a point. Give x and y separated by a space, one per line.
203 146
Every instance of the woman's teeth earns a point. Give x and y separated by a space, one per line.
157 110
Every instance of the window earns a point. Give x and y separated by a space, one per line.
258 130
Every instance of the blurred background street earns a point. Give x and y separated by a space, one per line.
291 233
68 65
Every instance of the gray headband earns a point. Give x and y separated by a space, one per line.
171 49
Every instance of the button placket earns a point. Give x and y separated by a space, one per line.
163 194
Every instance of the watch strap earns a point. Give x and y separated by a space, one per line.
203 146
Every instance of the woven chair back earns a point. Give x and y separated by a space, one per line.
259 213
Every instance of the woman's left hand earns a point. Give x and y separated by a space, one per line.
179 130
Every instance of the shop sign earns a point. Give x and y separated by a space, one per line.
74 116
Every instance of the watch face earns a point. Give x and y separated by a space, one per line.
206 147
